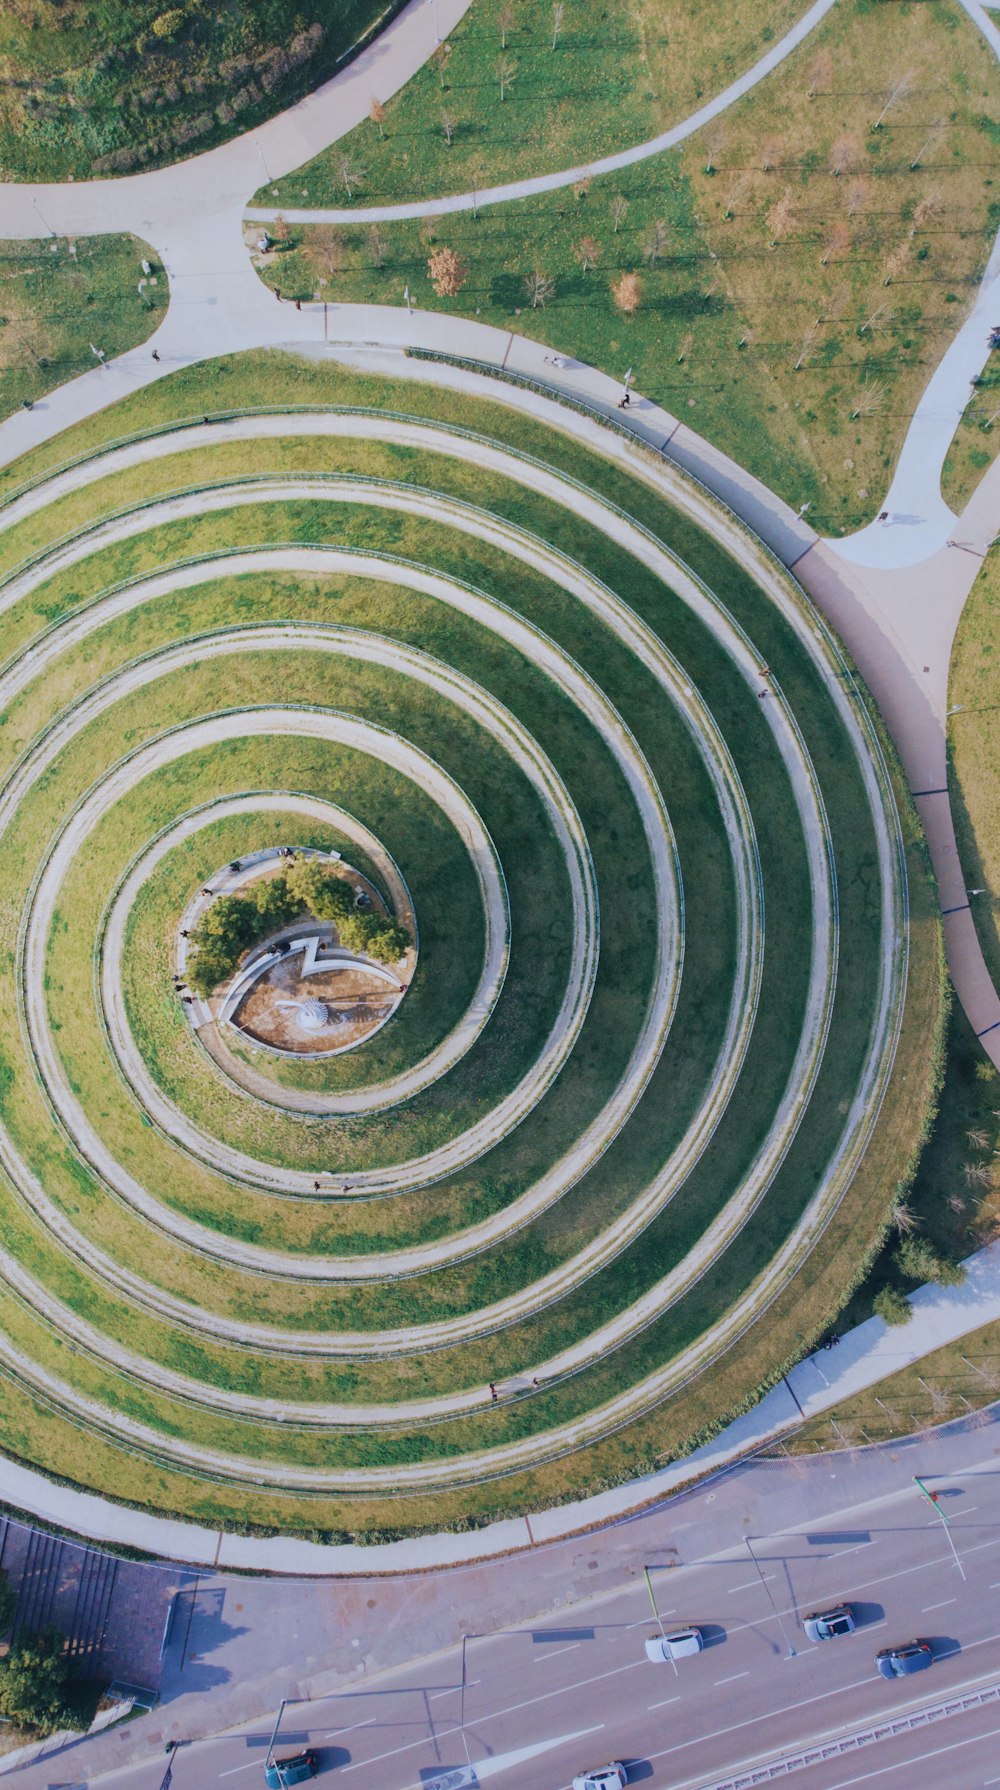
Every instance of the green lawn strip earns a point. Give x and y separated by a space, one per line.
59 296
976 441
447 964
93 92
615 75
974 754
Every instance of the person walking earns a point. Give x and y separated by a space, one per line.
494 1394
623 403
155 354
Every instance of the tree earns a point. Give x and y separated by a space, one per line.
855 194
836 242
627 293
558 13
656 242
448 127
506 23
376 112
33 1683
843 155
931 140
349 175
587 252
779 218
446 271
506 74
901 87
895 264
892 1306
810 336
869 400
375 244
619 206
279 229
539 287
770 154
324 252
442 57
927 208
820 74
736 192
918 1260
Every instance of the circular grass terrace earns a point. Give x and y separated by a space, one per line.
617 1150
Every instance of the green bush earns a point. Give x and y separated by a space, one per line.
892 1306
33 1683
952 1274
8 1604
918 1260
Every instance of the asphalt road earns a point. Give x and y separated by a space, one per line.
540 1703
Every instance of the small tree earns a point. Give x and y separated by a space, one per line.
869 400
901 88
279 229
895 264
820 74
770 154
558 13
539 287
619 206
927 208
350 176
779 218
376 112
892 1306
627 293
447 127
442 57
506 74
33 1683
375 244
836 242
324 253
656 242
931 141
810 336
843 155
855 194
918 1259
446 271
506 23
587 252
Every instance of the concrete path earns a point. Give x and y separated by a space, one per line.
563 177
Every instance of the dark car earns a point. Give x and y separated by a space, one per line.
826 1625
899 1662
297 1769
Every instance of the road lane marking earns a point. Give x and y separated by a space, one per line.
570 1648
749 1583
234 1769
945 1600
901 1764
352 1729
732 1679
662 1705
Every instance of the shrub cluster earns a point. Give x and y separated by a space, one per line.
235 923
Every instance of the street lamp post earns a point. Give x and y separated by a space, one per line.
770 1599
932 1499
42 220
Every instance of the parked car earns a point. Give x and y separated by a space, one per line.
298 1768
679 1645
826 1625
899 1662
606 1777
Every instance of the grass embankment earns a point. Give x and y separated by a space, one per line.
58 298
974 753
976 441
805 1307
800 272
135 84
951 1382
613 74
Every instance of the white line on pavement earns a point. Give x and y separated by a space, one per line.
569 1648
663 1705
355 1725
731 1679
904 1764
945 1600
750 1583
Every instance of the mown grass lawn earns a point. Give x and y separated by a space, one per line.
974 753
59 298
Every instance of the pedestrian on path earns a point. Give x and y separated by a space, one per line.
315 1186
27 404
155 354
623 403
494 1394
206 891
185 933
277 293
298 304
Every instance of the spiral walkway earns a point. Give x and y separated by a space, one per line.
554 698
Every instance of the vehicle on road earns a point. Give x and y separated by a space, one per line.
298 1768
678 1645
606 1777
826 1625
899 1662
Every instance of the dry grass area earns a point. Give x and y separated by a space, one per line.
974 752
850 203
961 1378
976 441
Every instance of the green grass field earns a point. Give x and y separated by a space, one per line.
58 298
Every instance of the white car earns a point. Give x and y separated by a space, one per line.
606 1777
679 1645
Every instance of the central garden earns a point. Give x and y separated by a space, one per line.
677 955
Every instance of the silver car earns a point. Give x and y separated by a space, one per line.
606 1777
679 1645
826 1625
